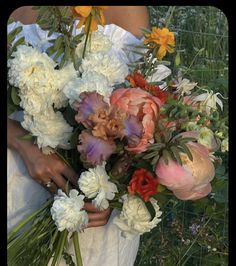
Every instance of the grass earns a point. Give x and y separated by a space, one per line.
202 43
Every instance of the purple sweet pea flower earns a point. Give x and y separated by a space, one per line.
93 149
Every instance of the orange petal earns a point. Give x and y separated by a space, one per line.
81 23
84 11
161 52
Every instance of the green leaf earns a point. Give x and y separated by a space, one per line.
27 137
220 188
18 42
150 209
14 96
150 155
186 150
11 36
175 153
50 50
177 59
58 42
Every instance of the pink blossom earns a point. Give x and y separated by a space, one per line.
192 179
142 105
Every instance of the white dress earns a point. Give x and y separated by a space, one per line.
100 246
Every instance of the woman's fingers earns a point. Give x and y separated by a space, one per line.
71 175
52 188
96 223
100 215
59 181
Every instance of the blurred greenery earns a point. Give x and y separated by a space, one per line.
194 232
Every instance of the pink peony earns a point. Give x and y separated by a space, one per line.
144 106
190 181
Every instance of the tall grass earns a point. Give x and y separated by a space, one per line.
202 43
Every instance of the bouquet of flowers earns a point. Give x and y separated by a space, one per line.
134 132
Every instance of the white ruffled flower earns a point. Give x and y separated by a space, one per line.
51 130
184 86
208 101
94 183
225 145
62 77
31 69
135 218
98 43
90 81
108 65
66 211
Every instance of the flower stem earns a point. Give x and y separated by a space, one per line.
87 35
77 249
59 248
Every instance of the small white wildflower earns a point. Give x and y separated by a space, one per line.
67 211
214 249
135 218
184 86
161 72
225 145
208 101
94 184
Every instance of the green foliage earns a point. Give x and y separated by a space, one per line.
202 55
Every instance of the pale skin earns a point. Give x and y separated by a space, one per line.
43 168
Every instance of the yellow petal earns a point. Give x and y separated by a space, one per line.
81 23
84 11
161 52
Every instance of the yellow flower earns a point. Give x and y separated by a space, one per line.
161 39
85 13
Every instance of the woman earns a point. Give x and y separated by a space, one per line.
30 172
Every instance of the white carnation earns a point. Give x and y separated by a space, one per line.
66 211
94 183
108 65
90 81
97 43
31 69
62 77
51 130
135 218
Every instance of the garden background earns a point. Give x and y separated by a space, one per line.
194 233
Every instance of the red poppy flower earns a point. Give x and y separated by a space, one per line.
143 183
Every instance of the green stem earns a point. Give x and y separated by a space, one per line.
77 249
18 227
87 35
60 247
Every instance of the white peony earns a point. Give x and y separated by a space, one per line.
135 218
97 43
66 211
108 65
90 81
94 183
51 130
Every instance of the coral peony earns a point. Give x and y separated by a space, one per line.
144 106
192 179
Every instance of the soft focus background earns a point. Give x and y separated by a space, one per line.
194 233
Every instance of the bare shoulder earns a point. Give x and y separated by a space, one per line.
131 18
24 14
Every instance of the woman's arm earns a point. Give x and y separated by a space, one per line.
130 18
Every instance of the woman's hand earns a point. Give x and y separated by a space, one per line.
44 169
97 217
